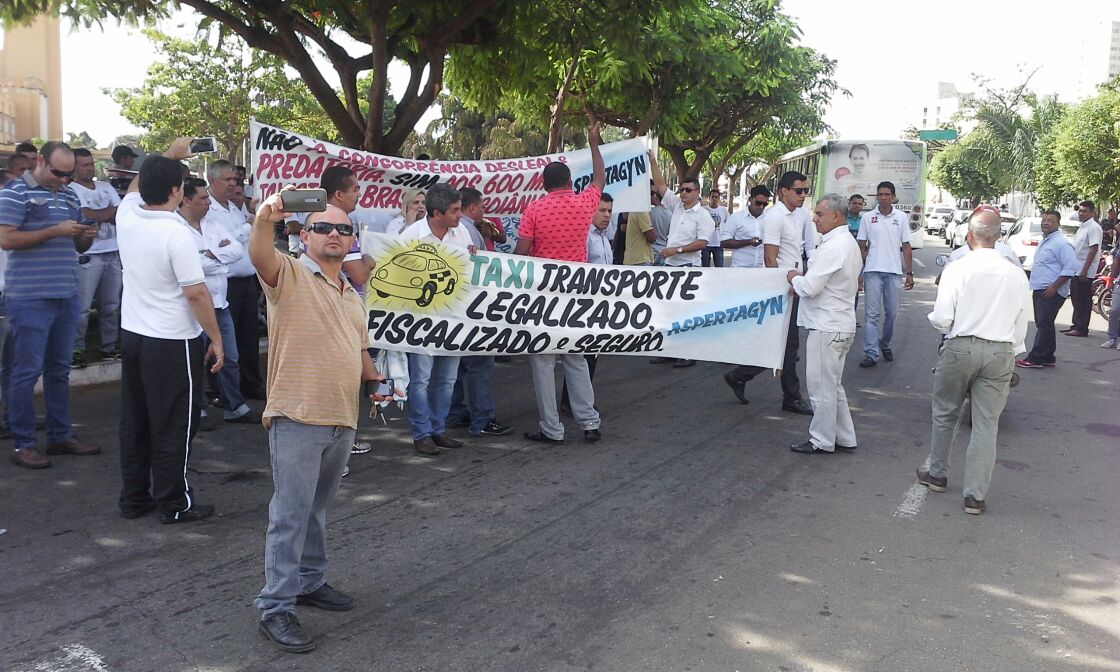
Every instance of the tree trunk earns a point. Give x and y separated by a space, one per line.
556 119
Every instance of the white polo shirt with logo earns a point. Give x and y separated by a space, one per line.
885 235
102 196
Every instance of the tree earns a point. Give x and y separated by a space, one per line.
962 170
202 88
82 139
1010 124
694 73
463 133
1087 148
420 34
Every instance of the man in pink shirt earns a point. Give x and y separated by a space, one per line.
555 227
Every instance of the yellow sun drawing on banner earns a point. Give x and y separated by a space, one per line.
421 277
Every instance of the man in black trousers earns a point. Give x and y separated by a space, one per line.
164 310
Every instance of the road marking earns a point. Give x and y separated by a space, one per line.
74 658
912 501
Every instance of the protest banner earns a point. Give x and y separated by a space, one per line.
440 299
282 157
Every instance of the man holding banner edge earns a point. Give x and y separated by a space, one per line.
556 227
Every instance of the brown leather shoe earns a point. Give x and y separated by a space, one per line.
71 447
30 458
426 446
445 441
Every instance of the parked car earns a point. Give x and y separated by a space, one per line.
938 217
1023 238
960 230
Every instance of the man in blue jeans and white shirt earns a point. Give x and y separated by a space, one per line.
883 232
99 269
39 226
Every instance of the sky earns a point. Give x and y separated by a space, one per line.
890 55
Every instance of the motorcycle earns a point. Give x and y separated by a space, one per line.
1102 291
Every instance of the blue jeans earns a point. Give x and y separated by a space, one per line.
881 301
307 464
431 380
229 378
711 256
42 335
478 372
100 277
5 360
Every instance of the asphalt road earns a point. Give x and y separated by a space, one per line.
690 538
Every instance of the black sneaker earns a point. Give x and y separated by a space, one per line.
973 505
867 363
888 354
325 597
113 355
285 632
78 361
495 428
197 512
934 483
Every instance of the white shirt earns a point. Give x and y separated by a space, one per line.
1088 235
216 271
742 225
808 232
238 231
159 258
471 228
102 196
599 247
687 226
1001 247
396 225
885 235
786 229
372 220
828 289
456 236
719 216
982 295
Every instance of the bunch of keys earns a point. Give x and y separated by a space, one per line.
386 388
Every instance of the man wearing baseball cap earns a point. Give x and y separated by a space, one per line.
124 158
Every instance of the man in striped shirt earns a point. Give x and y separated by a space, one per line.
39 225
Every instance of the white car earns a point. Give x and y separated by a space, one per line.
938 217
959 232
1025 236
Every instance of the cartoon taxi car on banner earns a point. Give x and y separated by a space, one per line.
417 275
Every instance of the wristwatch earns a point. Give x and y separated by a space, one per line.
680 250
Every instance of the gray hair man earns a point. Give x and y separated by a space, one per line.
827 311
982 307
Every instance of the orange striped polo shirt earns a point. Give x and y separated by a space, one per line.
316 336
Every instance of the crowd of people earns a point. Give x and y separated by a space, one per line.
184 258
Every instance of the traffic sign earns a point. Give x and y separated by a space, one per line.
938 134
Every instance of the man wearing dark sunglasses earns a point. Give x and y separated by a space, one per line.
784 244
39 225
743 231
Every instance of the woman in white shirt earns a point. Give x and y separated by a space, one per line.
412 209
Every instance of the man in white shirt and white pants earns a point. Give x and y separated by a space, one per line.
828 290
983 304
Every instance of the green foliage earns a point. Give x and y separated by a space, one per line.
317 39
462 133
1087 148
199 88
962 169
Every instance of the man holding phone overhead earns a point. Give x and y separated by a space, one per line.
317 362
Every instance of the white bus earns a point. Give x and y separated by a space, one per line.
849 167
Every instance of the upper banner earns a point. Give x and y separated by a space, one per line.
282 157
439 299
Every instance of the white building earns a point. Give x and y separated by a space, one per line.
1114 51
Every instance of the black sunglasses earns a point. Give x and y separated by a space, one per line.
324 228
761 204
60 173
800 191
687 190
